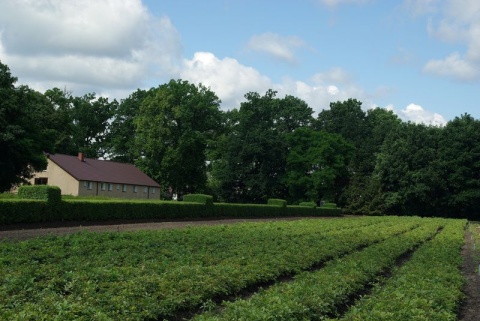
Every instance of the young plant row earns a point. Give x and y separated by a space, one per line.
428 287
155 274
316 295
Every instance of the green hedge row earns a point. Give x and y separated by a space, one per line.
48 193
308 204
277 202
33 211
199 198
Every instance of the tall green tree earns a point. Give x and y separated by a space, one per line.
253 154
345 118
460 159
409 171
91 116
173 131
317 165
363 186
122 128
24 134
62 120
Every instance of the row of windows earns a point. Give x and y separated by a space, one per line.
124 187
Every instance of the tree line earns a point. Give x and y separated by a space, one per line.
369 162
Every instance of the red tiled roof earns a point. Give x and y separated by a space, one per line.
102 170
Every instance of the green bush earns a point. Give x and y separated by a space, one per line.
308 204
277 202
51 194
199 198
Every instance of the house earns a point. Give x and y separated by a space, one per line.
81 176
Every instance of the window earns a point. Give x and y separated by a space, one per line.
110 187
153 190
135 189
41 181
145 189
89 185
124 188
104 186
118 187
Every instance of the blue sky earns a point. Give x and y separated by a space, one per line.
420 58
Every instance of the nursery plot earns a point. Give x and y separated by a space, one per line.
428 287
160 274
316 295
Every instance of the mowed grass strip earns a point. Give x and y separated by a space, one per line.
319 294
156 274
428 287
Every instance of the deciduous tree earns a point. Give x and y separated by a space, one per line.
173 131
24 136
317 165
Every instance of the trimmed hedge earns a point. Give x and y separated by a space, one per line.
329 205
106 210
308 204
199 198
26 211
33 211
48 193
277 202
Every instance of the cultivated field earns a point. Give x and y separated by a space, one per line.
369 268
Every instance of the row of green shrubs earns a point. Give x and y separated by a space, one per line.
194 206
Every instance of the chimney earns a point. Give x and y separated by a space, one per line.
81 157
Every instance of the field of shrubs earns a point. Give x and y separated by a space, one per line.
365 268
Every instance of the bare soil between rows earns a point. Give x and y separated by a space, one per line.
470 308
468 311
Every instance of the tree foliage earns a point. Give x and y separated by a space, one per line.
24 131
122 129
173 131
253 154
317 164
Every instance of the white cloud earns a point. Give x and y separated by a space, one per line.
453 66
229 79
275 45
416 114
389 107
324 88
105 27
86 45
453 21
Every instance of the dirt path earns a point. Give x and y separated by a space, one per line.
470 309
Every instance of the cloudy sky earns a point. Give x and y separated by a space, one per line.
420 58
